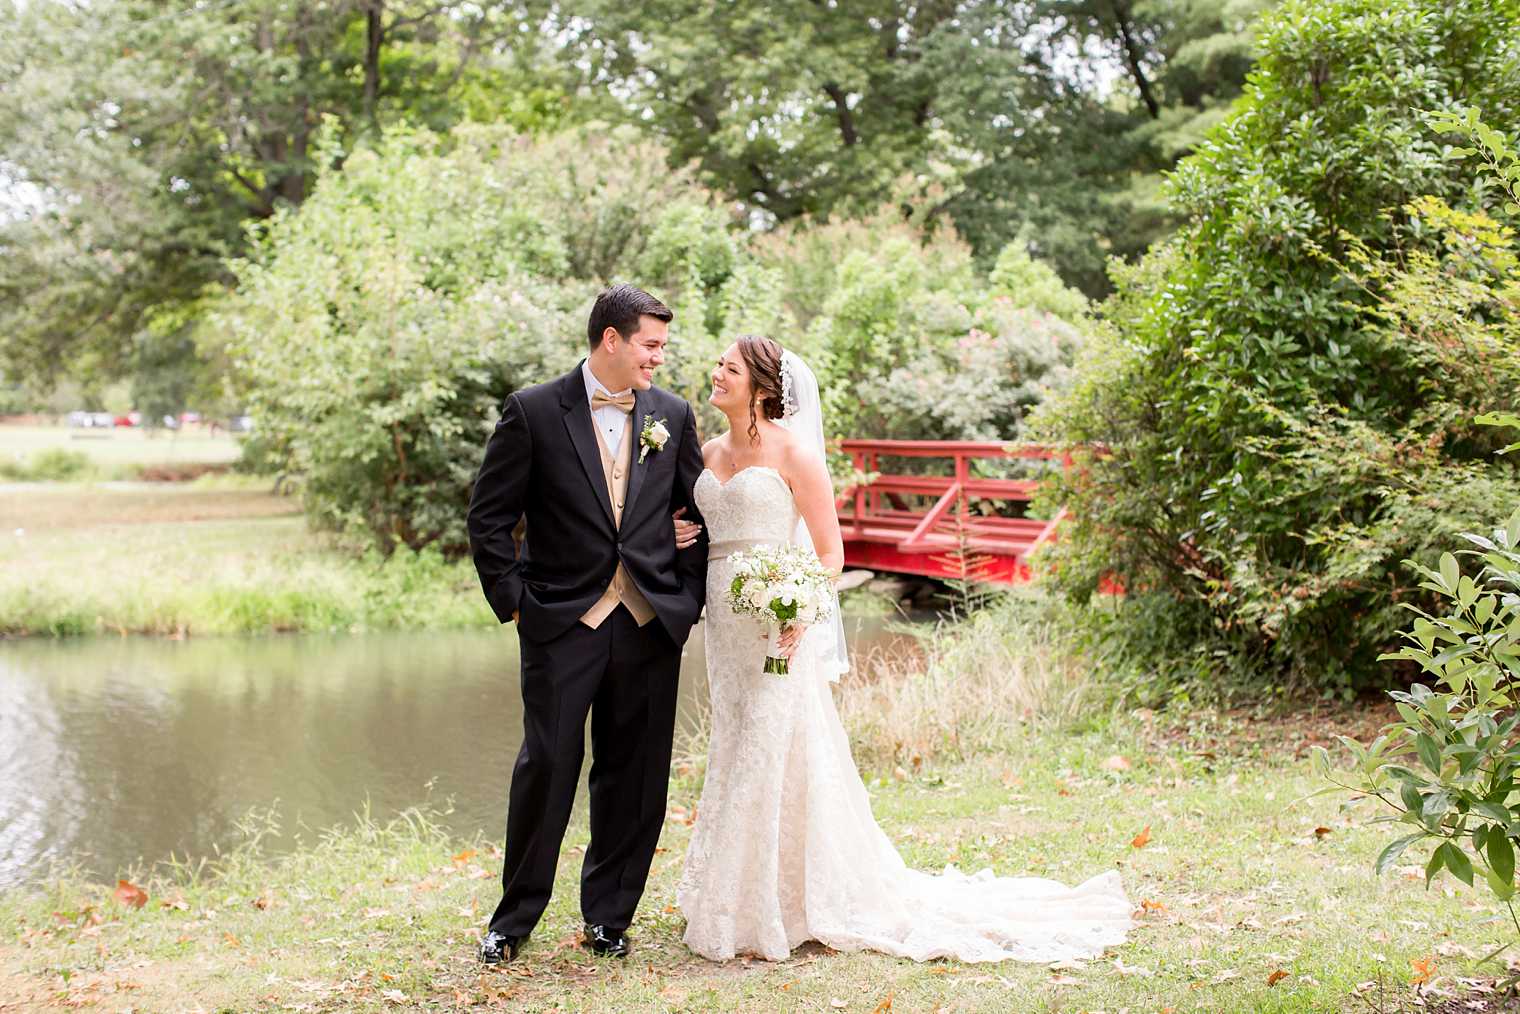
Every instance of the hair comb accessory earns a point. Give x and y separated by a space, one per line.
788 388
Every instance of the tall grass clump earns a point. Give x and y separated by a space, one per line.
972 685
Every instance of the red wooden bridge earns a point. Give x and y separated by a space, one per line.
889 525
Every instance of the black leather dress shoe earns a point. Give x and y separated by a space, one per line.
496 948
606 942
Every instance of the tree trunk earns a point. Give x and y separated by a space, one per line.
374 41
842 110
1132 58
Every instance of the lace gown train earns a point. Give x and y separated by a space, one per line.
785 848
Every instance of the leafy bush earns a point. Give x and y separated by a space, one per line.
908 338
376 331
1285 392
51 464
1448 769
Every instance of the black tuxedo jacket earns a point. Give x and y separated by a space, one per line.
542 462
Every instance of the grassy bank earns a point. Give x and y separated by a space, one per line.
1250 898
221 555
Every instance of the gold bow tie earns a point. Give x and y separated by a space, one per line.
600 399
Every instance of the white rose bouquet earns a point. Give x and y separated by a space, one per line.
780 585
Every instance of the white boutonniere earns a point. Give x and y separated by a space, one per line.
652 437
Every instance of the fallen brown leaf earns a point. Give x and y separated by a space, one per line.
465 856
885 1005
1118 762
1148 907
1320 832
573 941
1142 839
1424 968
130 894
1277 976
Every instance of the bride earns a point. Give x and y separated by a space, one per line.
785 848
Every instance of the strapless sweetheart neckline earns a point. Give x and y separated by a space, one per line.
746 468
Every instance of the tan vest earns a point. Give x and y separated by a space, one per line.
622 589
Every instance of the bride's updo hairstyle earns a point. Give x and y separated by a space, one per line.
762 356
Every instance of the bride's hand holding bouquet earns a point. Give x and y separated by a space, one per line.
788 589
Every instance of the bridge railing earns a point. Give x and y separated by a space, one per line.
878 512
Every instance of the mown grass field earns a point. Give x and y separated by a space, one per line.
113 449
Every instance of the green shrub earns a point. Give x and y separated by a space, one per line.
1448 768
53 464
1282 401
908 337
376 331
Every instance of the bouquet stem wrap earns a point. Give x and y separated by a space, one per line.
775 662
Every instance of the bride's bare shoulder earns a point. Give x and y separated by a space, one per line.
797 456
710 450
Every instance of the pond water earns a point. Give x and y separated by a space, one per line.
116 751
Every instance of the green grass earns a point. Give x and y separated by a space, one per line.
222 555
1237 885
108 453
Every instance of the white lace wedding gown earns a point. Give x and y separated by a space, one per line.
785 848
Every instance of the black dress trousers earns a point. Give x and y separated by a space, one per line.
625 677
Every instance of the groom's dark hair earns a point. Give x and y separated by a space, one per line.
621 306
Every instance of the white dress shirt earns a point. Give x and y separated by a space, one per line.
611 420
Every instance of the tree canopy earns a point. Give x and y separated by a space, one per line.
141 140
146 138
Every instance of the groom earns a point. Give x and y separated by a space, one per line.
596 461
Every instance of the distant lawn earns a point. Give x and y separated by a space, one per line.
113 451
222 555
